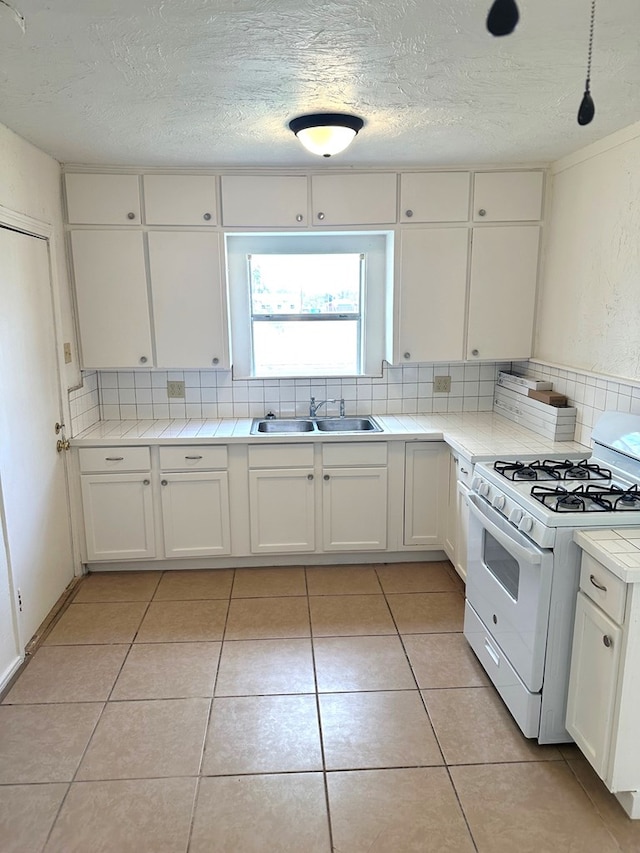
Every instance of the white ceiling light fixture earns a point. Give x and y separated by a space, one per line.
326 134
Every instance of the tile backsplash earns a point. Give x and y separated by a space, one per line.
406 389
591 394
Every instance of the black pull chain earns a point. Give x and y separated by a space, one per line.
502 18
587 108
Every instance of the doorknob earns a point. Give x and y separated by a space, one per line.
62 444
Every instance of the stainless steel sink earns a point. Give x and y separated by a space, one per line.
347 425
283 426
277 425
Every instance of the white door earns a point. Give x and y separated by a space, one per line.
354 509
282 510
32 473
195 514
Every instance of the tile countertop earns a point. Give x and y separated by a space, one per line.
617 550
476 435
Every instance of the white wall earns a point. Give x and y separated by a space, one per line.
589 301
31 184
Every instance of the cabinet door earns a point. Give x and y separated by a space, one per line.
425 493
462 530
451 527
434 196
593 682
103 199
118 516
112 300
282 510
354 509
189 306
195 514
354 199
179 199
504 270
507 196
432 294
269 200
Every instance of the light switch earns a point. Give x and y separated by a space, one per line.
67 352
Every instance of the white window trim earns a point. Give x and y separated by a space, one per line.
376 245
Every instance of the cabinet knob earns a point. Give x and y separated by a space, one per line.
597 585
131 215
475 352
309 476
326 477
164 482
482 212
143 359
408 213
146 482
407 355
299 217
495 619
321 215
215 360
607 641
206 216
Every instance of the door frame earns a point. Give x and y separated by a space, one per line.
38 228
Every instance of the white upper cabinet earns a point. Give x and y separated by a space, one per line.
103 199
507 196
504 265
434 196
354 199
179 199
431 294
112 299
189 307
272 201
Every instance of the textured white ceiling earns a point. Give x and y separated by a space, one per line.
212 83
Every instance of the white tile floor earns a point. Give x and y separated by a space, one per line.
295 709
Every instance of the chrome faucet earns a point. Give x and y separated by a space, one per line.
313 406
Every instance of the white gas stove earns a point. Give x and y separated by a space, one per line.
523 565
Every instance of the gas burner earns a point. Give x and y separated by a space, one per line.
589 498
548 469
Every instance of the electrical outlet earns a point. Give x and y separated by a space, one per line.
175 390
441 384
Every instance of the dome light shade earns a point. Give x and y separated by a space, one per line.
326 134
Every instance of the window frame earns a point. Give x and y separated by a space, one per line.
377 249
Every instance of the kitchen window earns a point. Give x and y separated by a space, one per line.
308 305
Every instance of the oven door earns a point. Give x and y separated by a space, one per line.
509 587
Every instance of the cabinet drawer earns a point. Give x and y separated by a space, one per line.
192 458
464 470
358 453
106 459
281 456
603 587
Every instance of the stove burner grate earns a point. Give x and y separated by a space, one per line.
590 498
549 469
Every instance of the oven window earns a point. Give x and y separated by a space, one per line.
504 567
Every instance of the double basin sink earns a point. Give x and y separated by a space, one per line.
283 426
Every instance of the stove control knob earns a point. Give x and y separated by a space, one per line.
484 489
525 523
475 483
515 515
499 501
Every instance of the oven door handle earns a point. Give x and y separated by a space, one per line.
507 538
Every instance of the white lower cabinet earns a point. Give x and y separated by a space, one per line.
118 516
195 514
457 524
425 493
604 692
282 504
282 508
